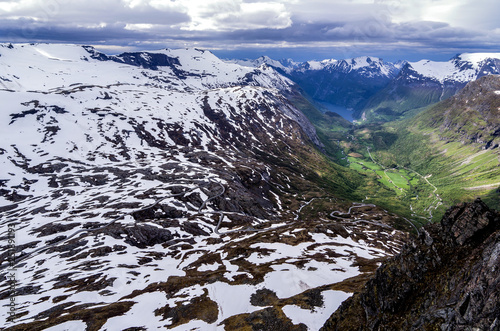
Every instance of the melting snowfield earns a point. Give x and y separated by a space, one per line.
137 196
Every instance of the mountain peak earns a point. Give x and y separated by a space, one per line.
41 67
476 58
363 61
462 68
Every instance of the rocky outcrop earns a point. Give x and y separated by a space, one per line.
446 279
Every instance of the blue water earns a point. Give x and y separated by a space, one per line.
342 111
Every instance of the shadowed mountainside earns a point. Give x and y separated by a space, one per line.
446 279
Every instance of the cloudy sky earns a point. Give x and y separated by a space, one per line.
297 29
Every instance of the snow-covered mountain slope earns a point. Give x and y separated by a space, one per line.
367 66
378 90
172 189
425 82
181 69
345 83
285 66
461 69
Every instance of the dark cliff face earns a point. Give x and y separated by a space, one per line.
446 279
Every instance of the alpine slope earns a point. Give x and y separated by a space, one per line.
170 189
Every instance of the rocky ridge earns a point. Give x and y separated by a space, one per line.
446 279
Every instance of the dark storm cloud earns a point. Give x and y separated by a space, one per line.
369 31
24 30
361 25
301 32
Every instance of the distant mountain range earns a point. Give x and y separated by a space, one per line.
376 90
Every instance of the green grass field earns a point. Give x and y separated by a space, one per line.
399 179
461 172
454 172
397 188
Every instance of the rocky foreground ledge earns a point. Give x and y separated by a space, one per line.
446 279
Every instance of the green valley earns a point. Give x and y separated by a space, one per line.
420 166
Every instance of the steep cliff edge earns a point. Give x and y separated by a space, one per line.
446 279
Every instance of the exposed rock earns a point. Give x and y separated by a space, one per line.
20 291
201 308
91 283
14 196
7 208
139 235
93 317
468 221
263 297
446 279
265 319
193 228
48 229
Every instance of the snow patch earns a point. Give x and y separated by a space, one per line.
314 319
476 58
69 326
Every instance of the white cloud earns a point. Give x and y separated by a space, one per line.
332 11
227 15
458 13
94 11
216 15
140 26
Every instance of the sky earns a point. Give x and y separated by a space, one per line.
297 29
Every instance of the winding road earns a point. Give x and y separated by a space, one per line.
358 220
301 207
356 205
200 212
433 205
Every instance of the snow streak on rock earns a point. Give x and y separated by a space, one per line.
155 189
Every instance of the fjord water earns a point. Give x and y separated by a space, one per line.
341 110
